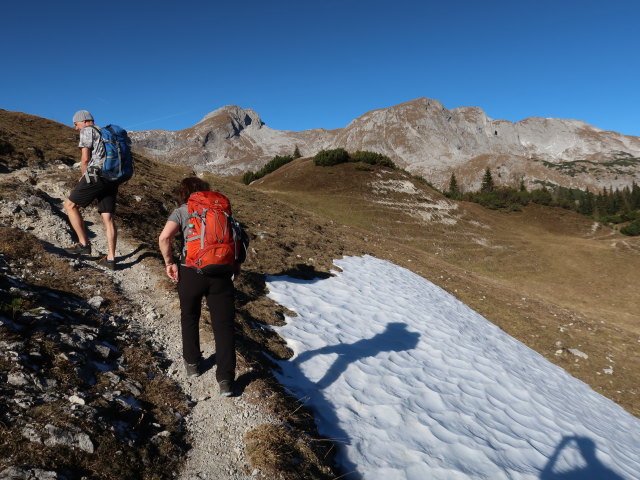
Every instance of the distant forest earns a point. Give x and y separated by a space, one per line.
608 206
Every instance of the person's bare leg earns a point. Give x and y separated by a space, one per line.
75 218
112 234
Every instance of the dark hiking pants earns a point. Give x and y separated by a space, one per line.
219 293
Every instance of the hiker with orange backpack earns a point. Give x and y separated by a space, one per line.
214 246
105 163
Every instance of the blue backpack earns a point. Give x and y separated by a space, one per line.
119 162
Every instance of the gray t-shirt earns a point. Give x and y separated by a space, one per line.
181 216
90 138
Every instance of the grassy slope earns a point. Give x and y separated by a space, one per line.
26 140
544 275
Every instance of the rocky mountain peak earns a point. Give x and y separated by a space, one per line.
243 117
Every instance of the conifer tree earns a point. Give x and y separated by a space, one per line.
617 203
296 153
626 200
635 196
564 198
601 204
611 202
586 204
487 182
453 186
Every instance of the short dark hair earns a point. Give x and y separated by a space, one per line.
188 186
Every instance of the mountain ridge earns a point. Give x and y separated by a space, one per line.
421 136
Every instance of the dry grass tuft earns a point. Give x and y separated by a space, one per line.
18 244
143 366
277 451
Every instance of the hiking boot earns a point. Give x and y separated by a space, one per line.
192 369
110 264
79 249
226 388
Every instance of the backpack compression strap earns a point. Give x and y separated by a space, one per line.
203 221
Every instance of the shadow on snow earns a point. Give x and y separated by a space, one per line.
592 470
395 338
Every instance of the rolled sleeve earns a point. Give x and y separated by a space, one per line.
86 138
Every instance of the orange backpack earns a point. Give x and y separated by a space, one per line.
215 241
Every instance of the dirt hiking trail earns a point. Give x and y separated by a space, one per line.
216 425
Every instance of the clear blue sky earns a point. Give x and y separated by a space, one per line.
309 63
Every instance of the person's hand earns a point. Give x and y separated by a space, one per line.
172 271
236 272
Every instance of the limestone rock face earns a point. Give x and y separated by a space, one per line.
421 136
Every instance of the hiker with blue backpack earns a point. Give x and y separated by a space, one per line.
105 163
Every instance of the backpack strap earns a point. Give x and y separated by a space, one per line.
203 230
203 223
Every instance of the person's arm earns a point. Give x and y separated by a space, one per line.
164 241
85 156
86 145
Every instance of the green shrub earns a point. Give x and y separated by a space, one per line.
609 206
615 219
499 198
5 147
15 308
372 158
248 177
633 229
277 162
541 196
453 191
327 158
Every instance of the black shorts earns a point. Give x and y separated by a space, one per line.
104 191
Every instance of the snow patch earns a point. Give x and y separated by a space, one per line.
413 384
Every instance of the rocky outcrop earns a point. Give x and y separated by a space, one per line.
421 136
